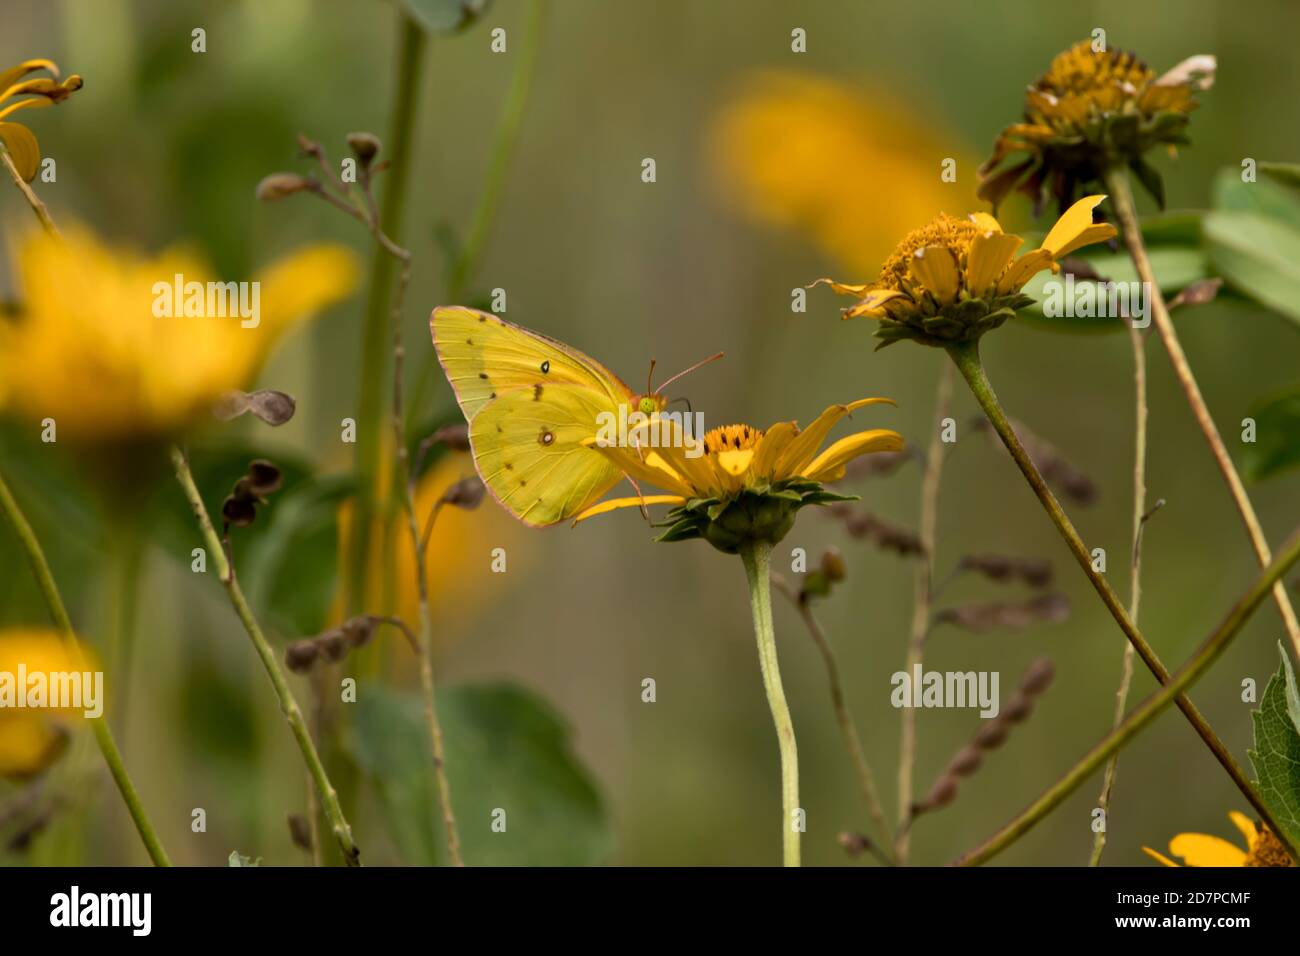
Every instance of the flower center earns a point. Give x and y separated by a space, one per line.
731 438
1268 850
943 230
1080 70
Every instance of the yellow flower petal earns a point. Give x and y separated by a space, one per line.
872 303
989 255
615 504
735 461
1159 856
1201 849
1076 229
774 441
985 222
1024 269
648 466
801 449
829 465
1247 827
841 288
936 269
12 75
23 148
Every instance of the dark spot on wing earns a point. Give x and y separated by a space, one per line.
482 375
537 392
546 366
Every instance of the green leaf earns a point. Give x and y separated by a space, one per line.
1276 755
238 859
1175 266
1288 174
1263 197
1259 256
445 16
1277 437
506 749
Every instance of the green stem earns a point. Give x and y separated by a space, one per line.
103 735
1121 198
967 358
757 558
374 339
288 705
507 135
1145 712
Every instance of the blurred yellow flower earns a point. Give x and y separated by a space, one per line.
458 563
29 93
92 349
1201 849
31 740
849 166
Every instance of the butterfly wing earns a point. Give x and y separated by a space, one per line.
528 450
483 355
530 402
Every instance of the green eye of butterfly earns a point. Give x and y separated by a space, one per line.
647 405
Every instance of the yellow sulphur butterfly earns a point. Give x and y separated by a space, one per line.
530 402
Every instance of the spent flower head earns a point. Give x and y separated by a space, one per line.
952 280
745 485
19 91
1093 109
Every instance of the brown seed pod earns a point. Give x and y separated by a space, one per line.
1053 466
466 494
1035 572
865 526
277 186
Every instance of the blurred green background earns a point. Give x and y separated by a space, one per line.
164 145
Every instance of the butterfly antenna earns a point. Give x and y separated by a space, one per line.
685 401
649 389
711 358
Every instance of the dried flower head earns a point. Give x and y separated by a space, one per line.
29 93
1094 108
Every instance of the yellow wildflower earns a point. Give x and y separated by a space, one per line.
1091 110
952 280
88 349
1263 848
29 93
739 485
850 167
31 740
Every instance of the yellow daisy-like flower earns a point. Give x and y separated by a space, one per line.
955 279
87 349
29 93
1091 110
1263 848
31 740
740 485
848 165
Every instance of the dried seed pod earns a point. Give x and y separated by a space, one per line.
263 477
300 655
333 644
271 406
1053 466
300 831
238 511
466 494
365 146
358 630
866 526
855 844
1198 293
1051 608
991 735
1036 572
277 186
832 566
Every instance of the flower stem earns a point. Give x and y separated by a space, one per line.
507 134
967 358
758 559
849 730
103 734
1145 712
1121 197
1138 342
33 200
923 590
371 434
288 705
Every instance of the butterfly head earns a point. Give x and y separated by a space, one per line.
651 404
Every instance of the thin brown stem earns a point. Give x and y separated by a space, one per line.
923 603
33 200
1145 713
967 358
1138 341
848 729
1121 196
